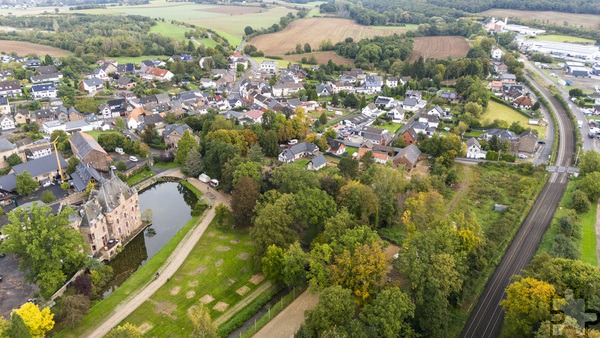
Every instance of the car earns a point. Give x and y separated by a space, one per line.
541 142
133 159
2 255
112 167
46 184
522 156
32 300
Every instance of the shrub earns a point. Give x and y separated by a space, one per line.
580 202
121 165
48 197
199 208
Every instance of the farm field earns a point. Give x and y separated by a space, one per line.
219 273
170 30
440 47
226 20
24 48
322 58
315 30
498 111
563 38
558 18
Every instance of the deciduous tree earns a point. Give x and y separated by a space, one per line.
185 144
26 185
243 199
38 321
336 308
126 330
388 315
74 309
203 325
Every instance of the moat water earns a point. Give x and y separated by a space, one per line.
171 204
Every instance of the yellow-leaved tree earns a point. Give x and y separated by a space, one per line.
39 321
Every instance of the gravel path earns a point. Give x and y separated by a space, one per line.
166 271
288 321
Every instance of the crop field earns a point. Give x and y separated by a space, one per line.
315 30
563 38
497 111
558 18
24 48
440 47
322 58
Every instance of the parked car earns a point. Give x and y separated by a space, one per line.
522 156
112 167
133 159
46 184
2 255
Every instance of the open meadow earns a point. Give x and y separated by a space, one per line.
322 58
563 38
316 30
440 47
170 30
24 48
498 111
559 18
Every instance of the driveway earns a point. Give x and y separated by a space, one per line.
14 291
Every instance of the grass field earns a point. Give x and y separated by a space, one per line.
391 127
137 59
558 18
170 30
440 47
563 38
96 133
218 270
207 42
24 48
140 278
315 30
139 176
498 111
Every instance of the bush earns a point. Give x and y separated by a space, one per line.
121 165
565 247
48 197
580 202
199 208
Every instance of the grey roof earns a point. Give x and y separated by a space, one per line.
123 80
180 128
502 133
43 87
93 82
411 153
6 145
334 144
85 144
82 176
290 152
110 191
473 142
153 118
40 166
77 124
3 101
318 160
8 182
410 101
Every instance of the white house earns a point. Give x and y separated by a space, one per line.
497 53
391 82
396 114
4 105
91 85
7 122
269 66
370 110
43 91
436 111
286 88
49 126
474 149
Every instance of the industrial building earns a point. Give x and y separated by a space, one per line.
561 50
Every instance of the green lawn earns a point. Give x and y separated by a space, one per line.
137 59
391 127
351 150
207 42
499 111
219 265
474 133
563 38
140 176
170 30
96 133
140 278
170 165
301 163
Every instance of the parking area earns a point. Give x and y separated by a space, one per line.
14 291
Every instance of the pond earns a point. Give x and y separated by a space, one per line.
171 204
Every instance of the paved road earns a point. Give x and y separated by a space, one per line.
487 316
166 271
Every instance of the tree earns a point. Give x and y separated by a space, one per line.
313 207
367 159
269 143
576 92
73 162
388 314
48 197
589 162
290 179
74 309
360 200
26 185
86 105
307 48
203 325
273 225
536 106
294 263
590 184
528 303
13 160
221 211
323 119
18 328
120 124
126 330
38 321
193 163
248 30
272 263
47 247
185 144
4 327
243 199
335 309
348 167
580 202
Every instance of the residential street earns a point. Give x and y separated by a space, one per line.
167 270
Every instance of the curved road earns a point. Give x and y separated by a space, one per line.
167 270
487 316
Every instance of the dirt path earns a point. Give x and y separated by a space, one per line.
598 233
170 266
237 307
463 187
288 321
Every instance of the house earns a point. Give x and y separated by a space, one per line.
503 134
255 116
125 82
370 110
237 59
508 78
110 217
174 132
391 82
4 105
43 168
436 111
145 65
269 66
22 116
410 136
78 126
335 147
324 90
42 115
7 122
286 88
376 135
43 91
88 151
432 121
6 149
207 83
413 104
37 149
10 88
127 68
497 53
407 156
52 125
83 175
156 119
396 114
46 69
474 149
297 151
181 58
5 74
100 74
158 74
135 118
373 83
91 85
523 102
316 163
384 102
528 142
52 77
378 156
